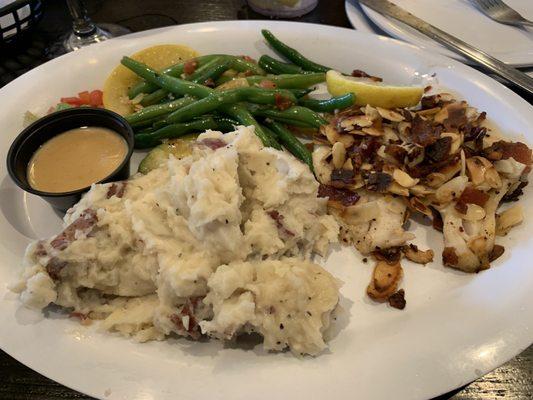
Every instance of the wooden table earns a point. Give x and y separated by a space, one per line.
513 380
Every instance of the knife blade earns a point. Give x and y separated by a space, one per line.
492 64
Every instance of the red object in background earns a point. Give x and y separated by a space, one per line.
85 98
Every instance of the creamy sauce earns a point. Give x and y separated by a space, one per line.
76 159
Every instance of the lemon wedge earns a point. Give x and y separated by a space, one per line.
121 78
374 93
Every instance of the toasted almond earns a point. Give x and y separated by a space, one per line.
417 205
395 188
370 112
348 165
346 140
373 132
390 115
451 189
402 128
474 213
385 280
389 134
429 111
509 218
421 190
339 155
404 179
357 120
330 132
441 116
414 254
457 141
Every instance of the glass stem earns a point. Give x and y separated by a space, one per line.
81 23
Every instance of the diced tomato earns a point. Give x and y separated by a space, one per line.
190 66
96 97
74 101
85 97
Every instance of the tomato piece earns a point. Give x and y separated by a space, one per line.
74 101
96 97
85 97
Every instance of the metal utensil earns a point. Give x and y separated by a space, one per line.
501 12
490 63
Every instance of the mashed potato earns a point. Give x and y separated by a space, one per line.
217 244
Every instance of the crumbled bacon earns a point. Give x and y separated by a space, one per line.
516 193
249 59
282 102
213 143
439 150
278 218
54 268
397 300
364 151
357 73
423 133
341 177
379 182
437 222
391 256
397 152
190 66
40 251
209 82
267 84
471 195
85 222
344 196
456 117
187 310
518 150
117 189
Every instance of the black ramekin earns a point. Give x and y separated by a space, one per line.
35 135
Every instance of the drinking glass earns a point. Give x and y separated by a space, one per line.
283 8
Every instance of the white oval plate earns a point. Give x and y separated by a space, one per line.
456 327
462 19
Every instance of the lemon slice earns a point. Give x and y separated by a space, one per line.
121 79
374 93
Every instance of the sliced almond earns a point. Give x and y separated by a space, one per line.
421 190
509 218
330 132
474 213
357 120
414 254
385 280
390 115
457 141
370 112
346 140
339 155
404 179
429 111
395 188
373 132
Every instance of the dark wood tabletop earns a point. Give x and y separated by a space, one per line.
513 380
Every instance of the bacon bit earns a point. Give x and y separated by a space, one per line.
357 73
427 88
516 193
341 177
282 102
461 207
397 300
213 143
117 189
423 133
391 255
437 222
344 196
473 196
449 257
397 152
456 116
379 182
365 151
190 66
187 310
210 83
54 268
497 252
40 251
250 59
267 84
439 150
78 315
406 114
278 218
85 221
518 150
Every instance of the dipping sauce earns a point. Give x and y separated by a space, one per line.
76 159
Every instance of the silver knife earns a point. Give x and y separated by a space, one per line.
494 65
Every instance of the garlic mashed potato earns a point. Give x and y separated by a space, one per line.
218 243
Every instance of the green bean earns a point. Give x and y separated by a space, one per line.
292 54
181 87
241 65
295 114
151 139
157 110
231 96
244 117
299 93
211 70
225 124
329 105
291 143
273 66
289 81
174 70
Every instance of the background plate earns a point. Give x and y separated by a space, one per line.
460 18
456 327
